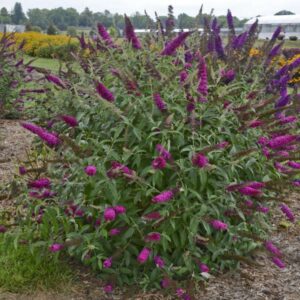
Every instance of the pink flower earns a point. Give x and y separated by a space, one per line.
153 216
249 191
159 163
219 225
22 170
159 102
266 152
3 229
286 120
263 140
256 184
278 262
294 164
70 120
104 92
255 123
109 214
56 80
163 152
153 237
40 183
165 282
249 203
114 231
203 268
108 288
183 76
200 160
180 292
159 262
280 141
163 197
56 247
119 209
272 248
90 170
263 209
130 34
222 145
107 263
143 256
287 211
172 45
280 167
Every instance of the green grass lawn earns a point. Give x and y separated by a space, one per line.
22 271
47 63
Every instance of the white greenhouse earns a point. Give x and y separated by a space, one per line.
290 25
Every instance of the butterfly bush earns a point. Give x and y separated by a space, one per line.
174 175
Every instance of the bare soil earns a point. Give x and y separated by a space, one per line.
266 282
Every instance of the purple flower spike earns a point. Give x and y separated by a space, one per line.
278 262
219 225
104 92
159 262
3 229
107 263
70 120
230 21
40 183
153 237
276 33
119 209
172 46
108 288
143 256
280 141
272 248
160 104
163 197
104 34
294 164
159 163
203 268
130 34
202 77
56 80
56 247
22 170
163 152
287 211
200 160
90 170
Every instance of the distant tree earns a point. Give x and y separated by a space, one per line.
5 18
71 31
18 16
39 17
86 18
51 30
185 21
36 29
284 13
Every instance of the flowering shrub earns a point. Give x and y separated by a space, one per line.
47 46
161 164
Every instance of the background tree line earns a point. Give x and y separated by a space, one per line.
63 18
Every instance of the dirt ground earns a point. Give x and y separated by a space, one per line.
249 283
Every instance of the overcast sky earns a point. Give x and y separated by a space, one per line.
240 8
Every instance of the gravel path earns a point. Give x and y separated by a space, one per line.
250 283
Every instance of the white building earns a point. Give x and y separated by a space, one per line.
12 28
290 25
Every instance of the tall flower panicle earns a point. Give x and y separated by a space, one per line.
172 46
239 41
263 209
274 52
70 120
56 80
230 21
143 256
104 34
287 211
272 248
155 215
50 138
278 262
202 77
280 141
276 33
249 191
219 47
295 64
200 160
163 197
219 225
104 92
153 237
227 76
294 164
159 102
130 34
40 183
183 76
